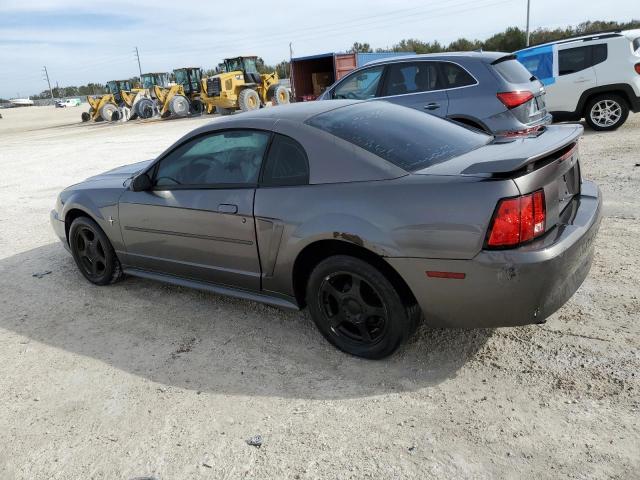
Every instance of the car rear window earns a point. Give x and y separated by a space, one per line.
636 45
408 138
512 70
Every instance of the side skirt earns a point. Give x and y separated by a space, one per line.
283 302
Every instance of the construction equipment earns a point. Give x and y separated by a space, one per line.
148 105
106 107
121 102
182 98
241 87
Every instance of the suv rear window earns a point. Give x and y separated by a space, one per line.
512 70
408 138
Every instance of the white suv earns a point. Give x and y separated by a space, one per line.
595 77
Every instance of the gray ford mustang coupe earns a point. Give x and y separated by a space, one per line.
370 214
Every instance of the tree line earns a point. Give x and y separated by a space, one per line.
509 40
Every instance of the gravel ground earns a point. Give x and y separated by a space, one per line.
147 379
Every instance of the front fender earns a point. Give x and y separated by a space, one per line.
101 206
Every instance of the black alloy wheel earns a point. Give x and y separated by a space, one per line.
357 308
93 253
353 308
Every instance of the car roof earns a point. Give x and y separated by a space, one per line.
298 112
604 35
487 57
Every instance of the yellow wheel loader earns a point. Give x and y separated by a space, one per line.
147 104
241 87
107 107
121 103
182 98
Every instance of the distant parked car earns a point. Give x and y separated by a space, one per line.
69 102
368 213
595 77
490 91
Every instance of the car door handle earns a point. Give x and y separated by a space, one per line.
227 208
581 80
432 106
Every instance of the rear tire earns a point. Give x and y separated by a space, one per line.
197 107
357 309
144 108
179 106
248 100
606 112
93 253
109 112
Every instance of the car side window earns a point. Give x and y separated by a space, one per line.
598 53
232 157
573 60
410 77
361 85
286 163
454 76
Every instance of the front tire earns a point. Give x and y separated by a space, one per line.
606 112
279 95
179 106
109 112
93 253
356 307
144 108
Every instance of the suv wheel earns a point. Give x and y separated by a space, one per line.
356 308
606 112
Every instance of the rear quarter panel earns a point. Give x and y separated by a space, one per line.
418 216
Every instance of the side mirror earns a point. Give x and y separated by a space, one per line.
141 183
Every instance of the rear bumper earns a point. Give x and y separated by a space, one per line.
510 287
507 122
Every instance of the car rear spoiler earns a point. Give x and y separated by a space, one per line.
535 149
511 56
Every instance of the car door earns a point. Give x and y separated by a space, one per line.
575 75
360 85
197 219
415 85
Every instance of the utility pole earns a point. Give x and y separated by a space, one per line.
139 67
528 15
291 69
46 74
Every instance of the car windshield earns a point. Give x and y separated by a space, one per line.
408 138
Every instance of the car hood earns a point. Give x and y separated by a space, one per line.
507 154
115 178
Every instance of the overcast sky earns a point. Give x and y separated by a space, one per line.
82 41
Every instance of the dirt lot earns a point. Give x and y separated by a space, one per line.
146 379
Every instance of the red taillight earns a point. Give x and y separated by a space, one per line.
637 67
515 99
518 220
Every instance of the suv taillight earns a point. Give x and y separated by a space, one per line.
518 220
637 67
514 99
